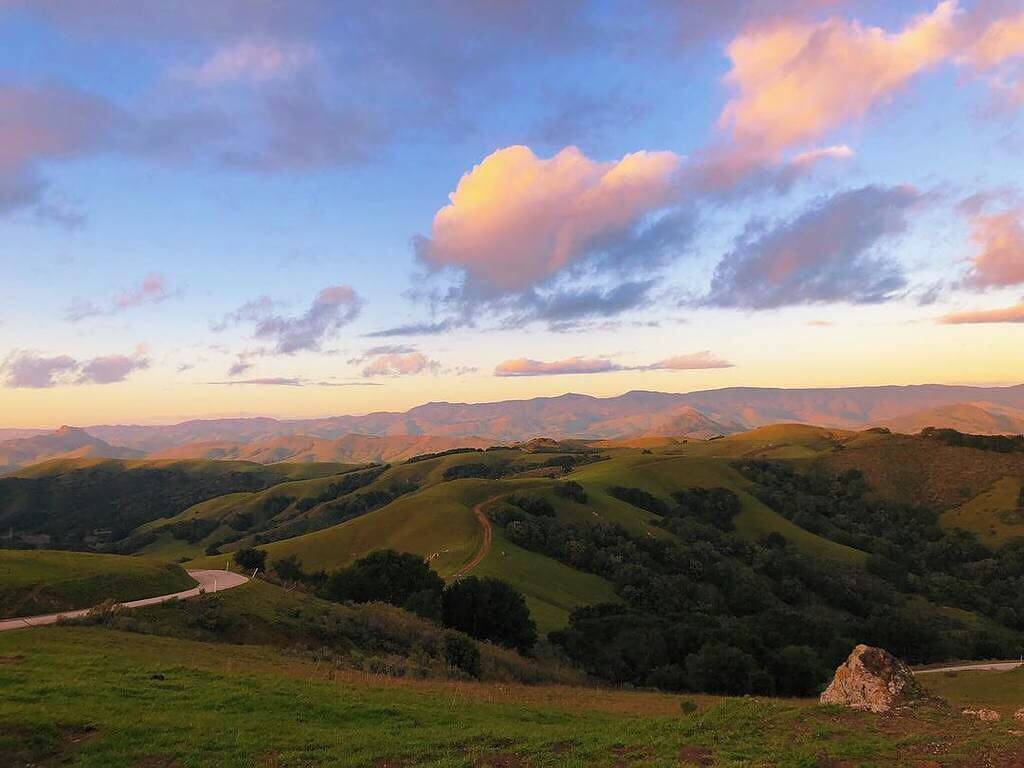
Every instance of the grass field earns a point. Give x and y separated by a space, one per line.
41 581
1001 691
93 697
994 515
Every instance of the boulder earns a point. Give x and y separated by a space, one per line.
988 715
1019 715
873 680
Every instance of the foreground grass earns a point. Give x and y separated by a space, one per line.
43 581
95 697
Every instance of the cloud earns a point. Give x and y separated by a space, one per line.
523 366
153 289
284 381
31 370
398 364
40 124
1013 314
110 369
795 81
333 308
417 329
584 365
516 220
579 303
251 61
698 361
827 253
999 238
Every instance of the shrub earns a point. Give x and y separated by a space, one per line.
489 609
387 576
251 559
461 653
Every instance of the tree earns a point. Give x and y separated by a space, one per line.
489 609
251 559
387 576
289 568
461 653
719 668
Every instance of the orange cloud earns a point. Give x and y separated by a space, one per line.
1001 41
1013 314
523 366
517 219
1000 239
796 81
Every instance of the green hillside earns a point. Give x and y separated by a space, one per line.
136 700
42 581
93 503
996 515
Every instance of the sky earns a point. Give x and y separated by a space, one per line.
307 208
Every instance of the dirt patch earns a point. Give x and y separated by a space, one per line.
15 658
22 744
563 747
696 756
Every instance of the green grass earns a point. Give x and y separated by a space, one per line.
1001 691
552 589
994 515
41 581
93 697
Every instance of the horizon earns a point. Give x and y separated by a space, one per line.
312 211
336 415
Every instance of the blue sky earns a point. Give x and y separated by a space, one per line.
240 207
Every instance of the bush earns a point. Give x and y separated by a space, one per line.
571 490
639 498
387 576
489 609
461 653
289 568
533 505
251 559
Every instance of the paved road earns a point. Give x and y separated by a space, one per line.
209 581
998 666
485 545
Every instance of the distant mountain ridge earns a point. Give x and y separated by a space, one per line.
573 415
394 436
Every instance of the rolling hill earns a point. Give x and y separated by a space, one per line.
973 418
65 443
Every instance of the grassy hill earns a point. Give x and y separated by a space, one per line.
137 700
90 502
995 515
40 581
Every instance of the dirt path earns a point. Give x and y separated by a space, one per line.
485 545
997 666
207 581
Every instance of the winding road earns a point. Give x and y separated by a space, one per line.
485 545
207 581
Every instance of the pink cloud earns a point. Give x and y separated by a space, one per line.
111 369
795 80
580 365
526 367
30 370
1000 240
517 219
1013 314
253 61
399 364
698 361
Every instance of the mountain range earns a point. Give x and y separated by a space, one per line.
394 436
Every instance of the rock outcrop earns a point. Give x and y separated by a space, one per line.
873 680
1019 715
